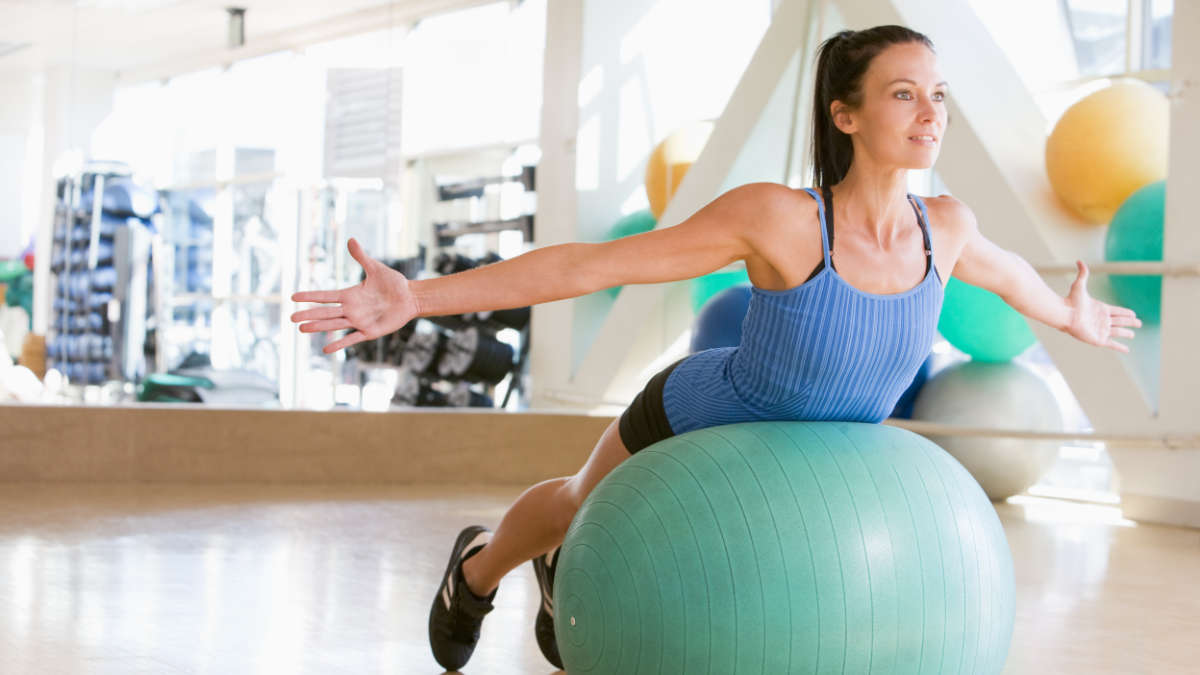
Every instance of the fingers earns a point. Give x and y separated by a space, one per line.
317 296
351 339
317 313
1122 333
1117 346
357 252
1079 286
325 326
1118 320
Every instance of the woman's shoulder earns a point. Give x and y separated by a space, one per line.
950 212
774 204
772 192
951 221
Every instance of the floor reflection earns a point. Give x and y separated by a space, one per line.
338 579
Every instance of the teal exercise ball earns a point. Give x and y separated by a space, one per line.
634 223
786 547
708 286
1136 233
980 324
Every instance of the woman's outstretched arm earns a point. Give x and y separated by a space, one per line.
710 239
984 264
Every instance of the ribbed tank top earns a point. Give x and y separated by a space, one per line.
823 350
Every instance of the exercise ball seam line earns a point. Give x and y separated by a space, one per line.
724 544
836 550
941 557
603 635
787 582
837 554
963 562
811 556
861 542
959 486
749 529
700 558
596 660
891 543
941 562
892 438
670 546
920 557
637 605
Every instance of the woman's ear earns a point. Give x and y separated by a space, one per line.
842 119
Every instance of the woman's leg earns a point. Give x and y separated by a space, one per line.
537 522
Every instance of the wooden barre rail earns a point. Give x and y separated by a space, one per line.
1154 441
1133 267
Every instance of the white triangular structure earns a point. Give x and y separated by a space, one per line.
749 143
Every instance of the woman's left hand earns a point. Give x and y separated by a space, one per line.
1095 322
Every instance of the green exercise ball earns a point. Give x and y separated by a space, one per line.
634 223
980 324
705 287
786 547
1136 233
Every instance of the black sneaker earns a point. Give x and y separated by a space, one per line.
543 569
457 613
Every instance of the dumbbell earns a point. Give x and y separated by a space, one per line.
412 391
462 396
476 356
450 263
517 318
423 351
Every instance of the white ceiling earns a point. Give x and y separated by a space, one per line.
124 35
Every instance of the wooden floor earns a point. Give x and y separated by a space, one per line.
338 579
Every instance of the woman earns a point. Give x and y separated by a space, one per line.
840 342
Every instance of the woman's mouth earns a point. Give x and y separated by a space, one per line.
926 140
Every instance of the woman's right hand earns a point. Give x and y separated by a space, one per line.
381 304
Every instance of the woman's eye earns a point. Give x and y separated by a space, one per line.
937 96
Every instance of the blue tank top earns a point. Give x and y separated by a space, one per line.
823 350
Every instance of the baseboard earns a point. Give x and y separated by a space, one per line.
182 443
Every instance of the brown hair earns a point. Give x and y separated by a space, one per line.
842 61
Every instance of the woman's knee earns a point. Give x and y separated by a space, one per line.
609 453
571 497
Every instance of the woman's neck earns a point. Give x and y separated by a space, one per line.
874 203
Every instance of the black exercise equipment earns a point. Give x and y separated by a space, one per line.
476 356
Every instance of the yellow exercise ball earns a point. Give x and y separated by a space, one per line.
670 162
1107 146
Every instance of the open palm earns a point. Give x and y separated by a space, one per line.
1095 322
380 305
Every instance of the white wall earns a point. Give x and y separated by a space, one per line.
15 126
473 77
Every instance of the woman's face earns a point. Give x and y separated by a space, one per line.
903 99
